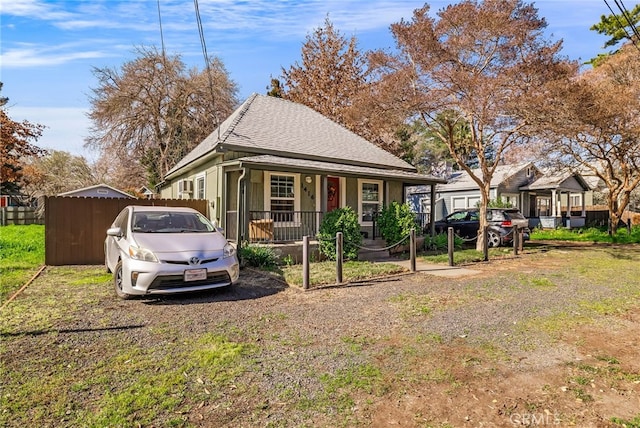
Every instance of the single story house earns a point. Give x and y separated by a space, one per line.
98 191
274 167
540 194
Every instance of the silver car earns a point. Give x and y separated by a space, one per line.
164 250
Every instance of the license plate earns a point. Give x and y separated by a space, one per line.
195 275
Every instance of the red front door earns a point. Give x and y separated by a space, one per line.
333 193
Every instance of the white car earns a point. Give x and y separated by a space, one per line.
165 250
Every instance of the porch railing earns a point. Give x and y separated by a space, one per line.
278 226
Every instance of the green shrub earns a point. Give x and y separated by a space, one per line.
396 221
258 256
343 220
440 242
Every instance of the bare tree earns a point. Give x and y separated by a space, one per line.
57 172
486 64
154 111
597 128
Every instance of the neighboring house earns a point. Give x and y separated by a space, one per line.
147 193
273 168
539 194
98 191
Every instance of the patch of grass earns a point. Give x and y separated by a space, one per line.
591 234
627 423
467 256
325 272
21 253
339 388
80 281
412 305
128 386
541 282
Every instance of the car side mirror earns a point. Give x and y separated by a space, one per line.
115 232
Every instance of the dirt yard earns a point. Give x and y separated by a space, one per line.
549 338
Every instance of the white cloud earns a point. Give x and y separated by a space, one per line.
31 55
65 128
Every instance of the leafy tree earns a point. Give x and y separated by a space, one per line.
16 146
153 110
332 70
474 77
619 28
596 127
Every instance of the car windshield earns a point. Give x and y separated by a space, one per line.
170 222
515 214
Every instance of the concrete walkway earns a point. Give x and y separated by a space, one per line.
435 269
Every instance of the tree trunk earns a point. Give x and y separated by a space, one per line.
484 204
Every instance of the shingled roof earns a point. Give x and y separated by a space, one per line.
272 126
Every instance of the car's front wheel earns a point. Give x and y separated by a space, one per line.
118 280
493 239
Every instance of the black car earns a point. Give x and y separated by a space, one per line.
501 221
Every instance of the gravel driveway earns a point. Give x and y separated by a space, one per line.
496 348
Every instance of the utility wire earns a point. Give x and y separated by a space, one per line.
627 16
161 34
207 64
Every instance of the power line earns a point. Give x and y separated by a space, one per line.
161 34
207 63
627 17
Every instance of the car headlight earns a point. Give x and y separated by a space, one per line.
228 251
142 254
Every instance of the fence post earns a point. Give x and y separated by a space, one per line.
412 249
339 257
450 243
516 239
305 262
485 246
521 240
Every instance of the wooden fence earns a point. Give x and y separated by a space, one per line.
19 215
75 228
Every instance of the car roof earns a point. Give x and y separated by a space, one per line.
155 208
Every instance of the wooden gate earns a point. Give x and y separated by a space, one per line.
75 228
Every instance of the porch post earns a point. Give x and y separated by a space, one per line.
240 206
554 203
323 193
432 210
584 205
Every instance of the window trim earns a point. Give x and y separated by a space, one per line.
380 184
196 179
296 196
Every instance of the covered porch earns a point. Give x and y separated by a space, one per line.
277 200
551 202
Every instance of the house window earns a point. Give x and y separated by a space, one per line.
576 200
200 191
282 198
511 200
369 199
473 201
459 203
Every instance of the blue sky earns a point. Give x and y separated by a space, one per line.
48 48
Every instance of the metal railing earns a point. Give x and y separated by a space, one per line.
280 226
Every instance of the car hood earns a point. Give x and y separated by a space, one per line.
172 243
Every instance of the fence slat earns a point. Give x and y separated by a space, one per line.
75 228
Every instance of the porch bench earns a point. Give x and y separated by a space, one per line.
261 230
